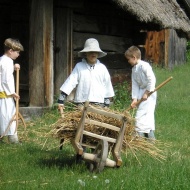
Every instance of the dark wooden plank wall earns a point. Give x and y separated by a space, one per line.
177 44
113 28
165 48
74 22
62 45
15 24
103 21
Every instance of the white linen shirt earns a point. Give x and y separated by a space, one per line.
6 75
92 82
142 78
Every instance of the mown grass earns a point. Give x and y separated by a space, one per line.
39 164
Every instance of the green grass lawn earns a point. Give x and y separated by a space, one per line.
39 164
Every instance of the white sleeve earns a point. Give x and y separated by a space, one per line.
109 92
135 88
70 82
151 79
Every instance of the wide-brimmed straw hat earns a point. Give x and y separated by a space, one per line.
91 45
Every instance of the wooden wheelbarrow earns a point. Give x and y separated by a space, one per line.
98 159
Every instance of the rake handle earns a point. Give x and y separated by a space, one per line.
17 100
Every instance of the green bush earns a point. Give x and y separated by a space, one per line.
122 98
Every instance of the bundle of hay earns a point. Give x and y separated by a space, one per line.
65 128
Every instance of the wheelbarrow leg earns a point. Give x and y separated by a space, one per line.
79 157
61 143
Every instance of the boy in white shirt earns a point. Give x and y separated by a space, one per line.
12 49
143 82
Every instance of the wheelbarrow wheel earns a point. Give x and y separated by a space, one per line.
101 153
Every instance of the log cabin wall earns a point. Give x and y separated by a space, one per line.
56 30
111 26
63 61
41 54
165 48
177 44
104 24
155 47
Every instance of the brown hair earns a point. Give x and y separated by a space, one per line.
133 51
13 44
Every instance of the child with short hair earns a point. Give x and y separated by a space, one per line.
143 82
12 48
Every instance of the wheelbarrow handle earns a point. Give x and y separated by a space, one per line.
61 108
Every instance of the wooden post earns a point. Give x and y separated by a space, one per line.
63 46
41 54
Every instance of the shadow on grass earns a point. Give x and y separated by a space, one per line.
61 159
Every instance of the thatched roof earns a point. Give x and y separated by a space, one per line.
166 13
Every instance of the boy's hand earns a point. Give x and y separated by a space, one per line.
145 95
134 103
16 96
16 66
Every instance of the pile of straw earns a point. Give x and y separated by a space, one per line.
66 128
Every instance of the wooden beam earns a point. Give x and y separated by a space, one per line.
100 124
63 46
166 48
105 113
107 43
41 53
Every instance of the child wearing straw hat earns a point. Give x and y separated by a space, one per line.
143 82
90 78
12 48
